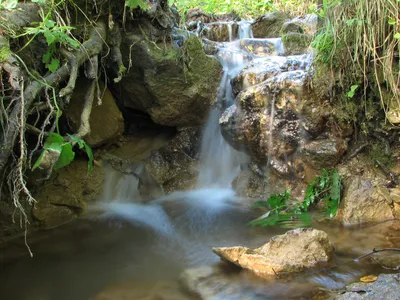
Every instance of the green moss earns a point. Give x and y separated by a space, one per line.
379 152
296 43
5 51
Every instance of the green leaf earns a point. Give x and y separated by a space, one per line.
50 37
137 4
352 91
392 21
39 1
53 66
397 35
38 161
90 156
53 138
8 4
47 57
49 24
66 156
77 140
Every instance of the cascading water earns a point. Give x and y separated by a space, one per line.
220 163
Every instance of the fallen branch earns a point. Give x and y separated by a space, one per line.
374 251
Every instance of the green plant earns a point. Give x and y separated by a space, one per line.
55 35
63 151
142 4
324 189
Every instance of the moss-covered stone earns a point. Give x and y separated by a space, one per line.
269 25
296 43
174 85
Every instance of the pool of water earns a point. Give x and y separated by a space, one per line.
139 251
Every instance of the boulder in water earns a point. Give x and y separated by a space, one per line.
174 166
293 251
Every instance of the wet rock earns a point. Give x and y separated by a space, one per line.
175 86
106 121
366 197
293 251
213 282
269 25
364 200
260 47
174 166
385 287
250 124
221 31
63 197
256 72
325 153
296 43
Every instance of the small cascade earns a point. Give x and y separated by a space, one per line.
245 31
220 163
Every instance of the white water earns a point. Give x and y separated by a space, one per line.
220 163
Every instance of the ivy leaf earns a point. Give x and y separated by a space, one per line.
66 156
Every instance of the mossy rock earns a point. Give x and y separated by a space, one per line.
269 25
296 43
176 86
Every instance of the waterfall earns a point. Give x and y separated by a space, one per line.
220 163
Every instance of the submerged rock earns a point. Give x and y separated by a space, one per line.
293 251
269 25
174 166
174 85
385 287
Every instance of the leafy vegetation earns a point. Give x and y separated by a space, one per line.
360 43
246 8
64 150
324 190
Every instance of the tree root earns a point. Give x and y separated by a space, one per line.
73 63
92 47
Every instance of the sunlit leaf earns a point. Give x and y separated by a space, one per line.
369 278
66 156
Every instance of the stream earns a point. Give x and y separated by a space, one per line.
127 248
